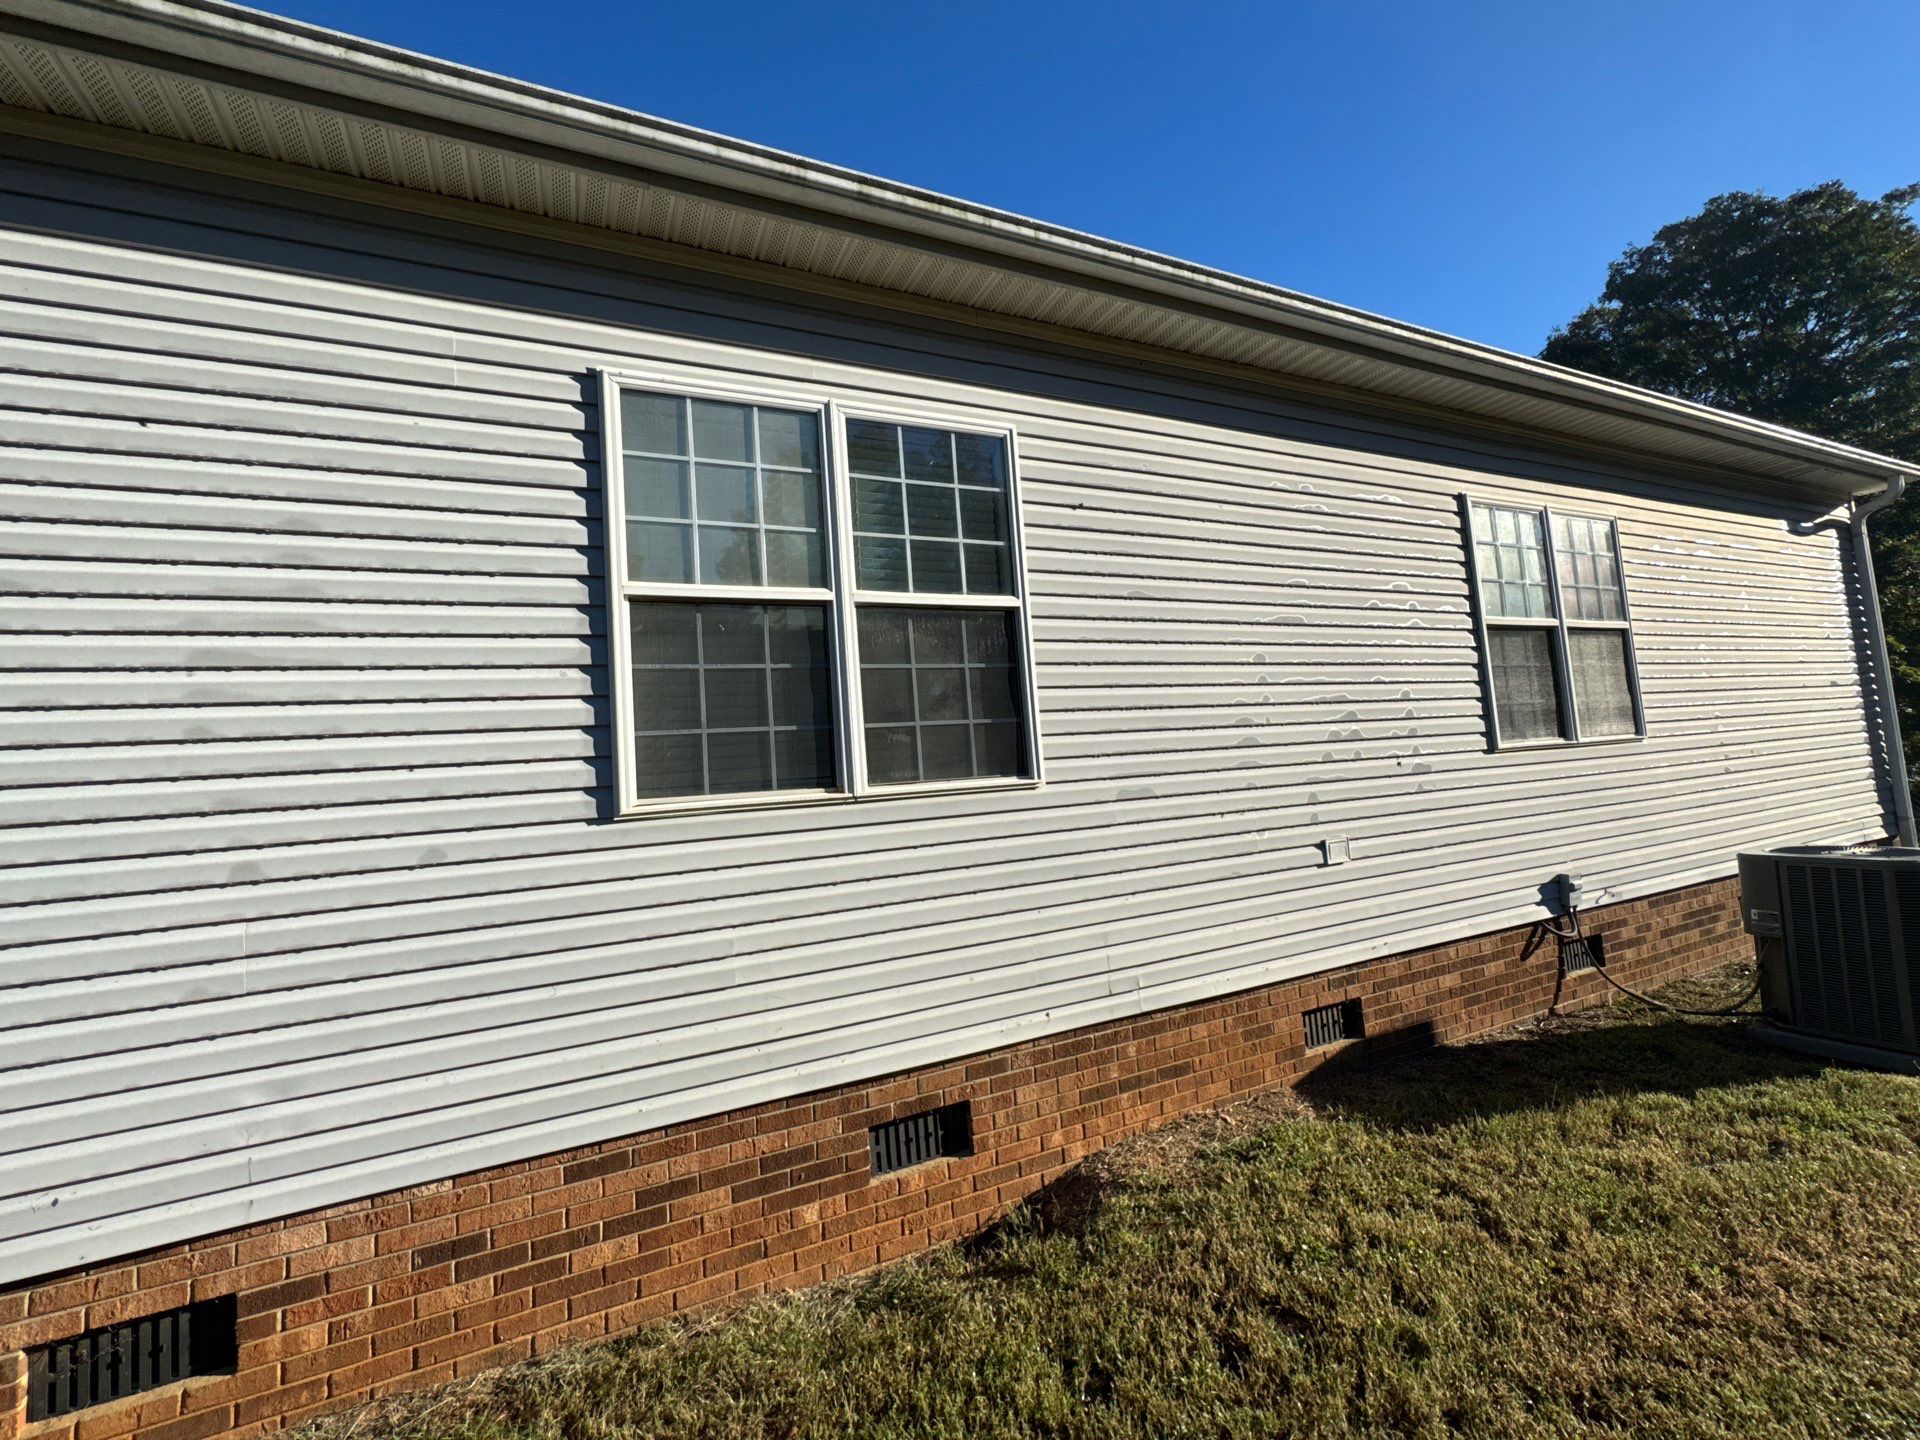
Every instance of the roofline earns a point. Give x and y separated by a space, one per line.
238 39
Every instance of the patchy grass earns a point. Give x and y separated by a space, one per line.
1626 1222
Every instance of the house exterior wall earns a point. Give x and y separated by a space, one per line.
312 890
441 1280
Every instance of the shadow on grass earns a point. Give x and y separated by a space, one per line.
1549 1068
1405 1080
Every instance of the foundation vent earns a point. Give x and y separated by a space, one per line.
916 1139
1582 952
127 1359
1331 1024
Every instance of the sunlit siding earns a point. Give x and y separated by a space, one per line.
304 762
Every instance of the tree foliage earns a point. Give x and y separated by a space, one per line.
1801 309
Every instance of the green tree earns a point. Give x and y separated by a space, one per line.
1804 310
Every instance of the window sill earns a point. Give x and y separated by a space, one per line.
1502 747
727 804
721 804
949 787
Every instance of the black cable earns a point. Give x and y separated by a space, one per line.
1738 1006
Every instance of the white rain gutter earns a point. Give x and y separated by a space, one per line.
1858 513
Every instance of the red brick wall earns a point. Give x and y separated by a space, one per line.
443 1279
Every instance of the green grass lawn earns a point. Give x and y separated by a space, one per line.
1623 1223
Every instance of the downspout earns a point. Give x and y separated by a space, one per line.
1858 512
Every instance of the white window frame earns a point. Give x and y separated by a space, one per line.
907 599
841 598
1557 624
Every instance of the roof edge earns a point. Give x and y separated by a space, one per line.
244 41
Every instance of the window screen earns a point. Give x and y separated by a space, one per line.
731 698
941 695
1553 604
1523 684
1602 682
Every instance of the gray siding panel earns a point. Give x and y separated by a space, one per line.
305 873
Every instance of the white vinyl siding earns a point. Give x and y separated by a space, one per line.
309 715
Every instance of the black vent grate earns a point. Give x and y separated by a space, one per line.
121 1360
1330 1024
916 1139
1582 952
1850 941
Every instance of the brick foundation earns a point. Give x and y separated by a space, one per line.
443 1279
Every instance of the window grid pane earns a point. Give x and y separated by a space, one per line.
1510 553
942 695
1589 571
730 698
719 493
929 510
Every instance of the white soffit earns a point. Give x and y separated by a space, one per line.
241 81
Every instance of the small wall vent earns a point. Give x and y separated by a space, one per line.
127 1359
916 1139
1331 1024
1582 952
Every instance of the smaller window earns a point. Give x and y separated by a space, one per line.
1551 603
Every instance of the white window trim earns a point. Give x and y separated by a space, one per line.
854 597
841 597
1557 623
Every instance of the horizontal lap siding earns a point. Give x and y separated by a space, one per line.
304 744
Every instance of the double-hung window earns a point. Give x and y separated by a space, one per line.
806 603
1557 640
939 632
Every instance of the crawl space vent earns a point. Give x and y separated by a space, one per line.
1330 1024
128 1359
1582 952
915 1139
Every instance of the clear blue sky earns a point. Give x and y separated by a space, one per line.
1471 166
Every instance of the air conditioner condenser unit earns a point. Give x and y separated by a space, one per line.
1837 935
